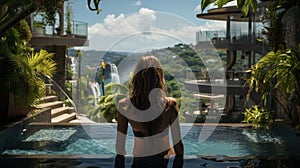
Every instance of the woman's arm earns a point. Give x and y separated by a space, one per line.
121 134
178 147
121 140
176 135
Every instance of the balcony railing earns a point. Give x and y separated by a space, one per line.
236 36
78 29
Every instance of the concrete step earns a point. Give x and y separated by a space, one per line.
76 121
51 105
48 99
64 118
61 110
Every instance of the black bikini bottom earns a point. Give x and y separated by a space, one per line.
150 162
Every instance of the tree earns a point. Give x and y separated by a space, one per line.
14 11
11 12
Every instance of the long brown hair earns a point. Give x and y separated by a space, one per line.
148 75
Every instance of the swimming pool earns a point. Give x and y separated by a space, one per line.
99 139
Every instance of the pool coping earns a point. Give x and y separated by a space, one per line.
41 116
242 125
109 161
217 158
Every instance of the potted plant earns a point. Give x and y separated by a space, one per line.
38 28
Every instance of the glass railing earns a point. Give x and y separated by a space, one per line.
219 36
77 29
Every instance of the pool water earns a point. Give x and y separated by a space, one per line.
99 139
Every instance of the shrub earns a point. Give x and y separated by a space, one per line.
258 117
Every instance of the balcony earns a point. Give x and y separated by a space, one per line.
238 40
52 35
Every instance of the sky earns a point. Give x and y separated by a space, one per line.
141 25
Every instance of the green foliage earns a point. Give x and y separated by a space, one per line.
68 18
276 75
69 71
258 117
50 11
41 62
21 67
11 12
242 4
25 82
14 11
107 110
274 30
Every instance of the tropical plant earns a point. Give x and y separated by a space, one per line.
107 109
278 75
258 117
41 63
21 83
273 29
242 4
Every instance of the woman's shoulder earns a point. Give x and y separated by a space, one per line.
171 100
123 104
172 103
123 101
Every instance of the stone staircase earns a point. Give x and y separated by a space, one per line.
59 112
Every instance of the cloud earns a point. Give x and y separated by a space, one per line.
198 8
213 25
122 24
138 3
146 29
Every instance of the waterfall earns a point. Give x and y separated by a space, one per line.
115 78
96 92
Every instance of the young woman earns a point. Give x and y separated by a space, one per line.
151 114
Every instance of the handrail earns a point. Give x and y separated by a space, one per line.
63 91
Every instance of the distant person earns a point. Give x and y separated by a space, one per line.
150 114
